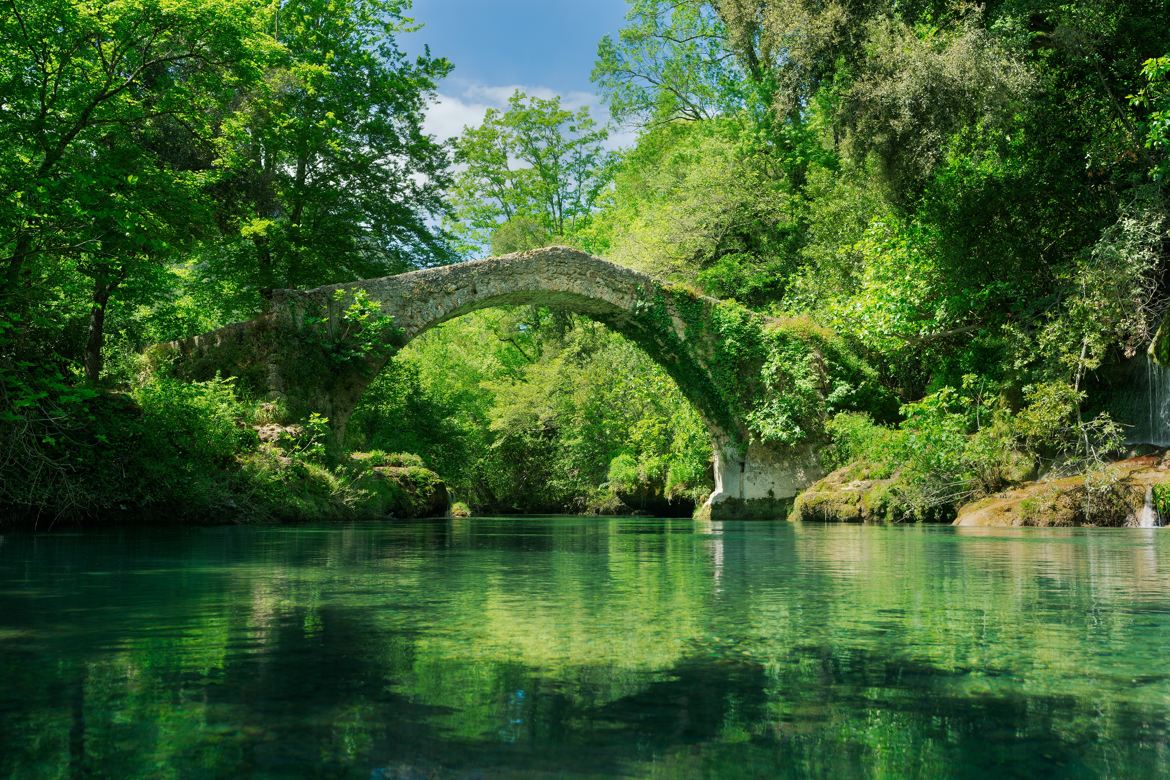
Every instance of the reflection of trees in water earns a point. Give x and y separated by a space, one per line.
588 645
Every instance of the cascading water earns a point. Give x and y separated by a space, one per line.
1158 391
1148 516
1145 404
1139 398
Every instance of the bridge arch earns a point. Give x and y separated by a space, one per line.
271 354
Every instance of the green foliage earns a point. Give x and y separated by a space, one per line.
699 203
1113 298
324 172
534 171
957 445
533 417
395 459
306 444
785 376
198 420
1161 499
930 189
1154 99
857 438
922 87
355 329
172 444
623 472
667 63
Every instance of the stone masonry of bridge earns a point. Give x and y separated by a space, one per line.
279 354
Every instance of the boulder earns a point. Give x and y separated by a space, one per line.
847 495
1114 496
406 491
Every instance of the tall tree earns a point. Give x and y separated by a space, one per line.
534 170
327 173
672 60
92 91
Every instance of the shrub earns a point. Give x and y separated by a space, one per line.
856 437
623 473
399 459
958 444
201 424
184 444
1106 497
1161 496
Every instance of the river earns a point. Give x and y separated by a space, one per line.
584 647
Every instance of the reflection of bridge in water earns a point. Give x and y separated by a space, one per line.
282 353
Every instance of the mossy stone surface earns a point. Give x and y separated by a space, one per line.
1110 498
406 492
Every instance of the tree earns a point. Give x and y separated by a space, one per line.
670 61
695 202
920 88
797 47
1153 99
327 174
536 162
77 72
98 96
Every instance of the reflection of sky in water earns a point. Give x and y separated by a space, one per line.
529 646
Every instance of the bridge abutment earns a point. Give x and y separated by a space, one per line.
757 482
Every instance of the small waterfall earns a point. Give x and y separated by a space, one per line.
1146 405
1159 395
1148 516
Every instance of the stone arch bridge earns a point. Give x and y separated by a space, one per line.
286 352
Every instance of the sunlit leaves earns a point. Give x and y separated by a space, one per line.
670 61
535 161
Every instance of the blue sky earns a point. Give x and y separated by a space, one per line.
497 46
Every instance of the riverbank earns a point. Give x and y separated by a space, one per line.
1128 492
194 453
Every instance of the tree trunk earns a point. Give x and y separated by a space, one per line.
13 274
95 340
267 275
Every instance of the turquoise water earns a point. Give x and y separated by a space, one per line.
541 647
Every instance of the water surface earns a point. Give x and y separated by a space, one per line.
539 647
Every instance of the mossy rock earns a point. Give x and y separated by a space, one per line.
375 458
1112 497
405 491
1160 347
847 495
749 509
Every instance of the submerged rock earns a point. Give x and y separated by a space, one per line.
1114 496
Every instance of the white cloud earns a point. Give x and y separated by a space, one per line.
466 104
621 138
450 114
